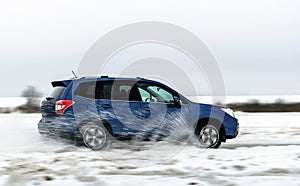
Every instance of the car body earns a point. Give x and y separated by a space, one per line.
97 107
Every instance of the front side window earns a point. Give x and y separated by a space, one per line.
146 96
154 93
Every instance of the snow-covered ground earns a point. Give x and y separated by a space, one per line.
266 152
12 101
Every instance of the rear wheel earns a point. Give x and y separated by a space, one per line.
95 136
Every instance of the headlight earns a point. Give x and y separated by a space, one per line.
228 111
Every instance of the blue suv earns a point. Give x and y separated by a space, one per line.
96 110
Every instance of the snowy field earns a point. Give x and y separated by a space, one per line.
267 152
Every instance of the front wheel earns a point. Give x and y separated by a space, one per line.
210 133
210 136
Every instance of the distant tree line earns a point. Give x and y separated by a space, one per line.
32 104
255 106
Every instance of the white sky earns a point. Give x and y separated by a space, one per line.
255 42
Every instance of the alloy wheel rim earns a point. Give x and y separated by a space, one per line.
209 136
94 137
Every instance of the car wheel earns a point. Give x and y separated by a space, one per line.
95 136
210 136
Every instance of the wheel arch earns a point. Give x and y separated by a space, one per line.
98 122
204 121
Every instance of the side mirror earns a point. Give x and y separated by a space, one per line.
177 102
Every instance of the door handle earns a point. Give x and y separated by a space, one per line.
106 106
147 109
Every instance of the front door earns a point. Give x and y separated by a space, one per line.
161 113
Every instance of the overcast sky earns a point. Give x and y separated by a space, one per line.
255 42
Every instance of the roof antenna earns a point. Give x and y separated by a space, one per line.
74 74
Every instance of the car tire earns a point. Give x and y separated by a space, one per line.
95 136
210 135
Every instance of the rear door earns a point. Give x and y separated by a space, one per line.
85 106
122 99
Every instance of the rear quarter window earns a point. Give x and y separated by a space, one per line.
86 90
56 92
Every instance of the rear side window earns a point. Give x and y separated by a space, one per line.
56 92
125 91
94 90
86 90
103 90
111 90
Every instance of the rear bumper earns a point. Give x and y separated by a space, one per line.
57 126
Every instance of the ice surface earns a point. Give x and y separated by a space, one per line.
266 152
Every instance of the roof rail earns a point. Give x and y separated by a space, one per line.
85 77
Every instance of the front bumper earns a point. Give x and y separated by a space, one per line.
231 128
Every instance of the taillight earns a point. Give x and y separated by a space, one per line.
62 105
